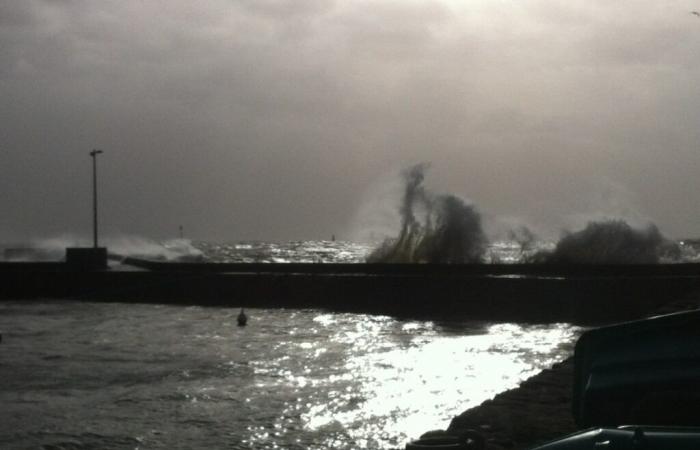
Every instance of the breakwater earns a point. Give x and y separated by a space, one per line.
495 292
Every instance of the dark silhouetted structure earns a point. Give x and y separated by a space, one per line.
94 154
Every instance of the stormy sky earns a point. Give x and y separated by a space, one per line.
284 119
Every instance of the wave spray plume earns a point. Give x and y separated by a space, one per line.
434 228
611 242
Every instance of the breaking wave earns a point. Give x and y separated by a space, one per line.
446 229
434 228
611 242
169 250
54 249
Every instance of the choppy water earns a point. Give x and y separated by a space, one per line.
89 375
275 252
311 251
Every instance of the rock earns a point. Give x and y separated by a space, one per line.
536 412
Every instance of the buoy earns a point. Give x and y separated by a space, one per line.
242 318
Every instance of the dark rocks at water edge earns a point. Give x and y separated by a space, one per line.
538 411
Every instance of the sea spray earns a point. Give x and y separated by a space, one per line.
54 248
446 229
170 250
611 242
525 239
434 228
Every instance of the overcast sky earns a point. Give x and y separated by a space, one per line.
283 119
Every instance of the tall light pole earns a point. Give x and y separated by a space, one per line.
94 154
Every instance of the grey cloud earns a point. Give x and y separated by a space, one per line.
268 119
286 9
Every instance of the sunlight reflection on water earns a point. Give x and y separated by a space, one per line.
99 375
399 392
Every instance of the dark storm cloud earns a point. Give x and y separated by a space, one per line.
269 118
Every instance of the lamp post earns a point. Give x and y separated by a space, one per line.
94 154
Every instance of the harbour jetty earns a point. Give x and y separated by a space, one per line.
533 293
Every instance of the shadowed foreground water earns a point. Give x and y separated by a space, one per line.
89 375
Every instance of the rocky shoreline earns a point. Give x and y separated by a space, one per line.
540 409
537 411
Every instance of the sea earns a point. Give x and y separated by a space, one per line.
89 375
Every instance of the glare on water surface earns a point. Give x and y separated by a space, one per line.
401 379
145 376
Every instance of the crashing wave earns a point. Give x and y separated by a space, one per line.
434 228
611 242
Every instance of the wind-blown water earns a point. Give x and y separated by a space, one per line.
79 375
434 228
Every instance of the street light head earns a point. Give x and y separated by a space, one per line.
95 152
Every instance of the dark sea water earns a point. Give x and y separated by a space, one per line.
76 375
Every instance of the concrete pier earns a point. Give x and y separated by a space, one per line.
536 294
